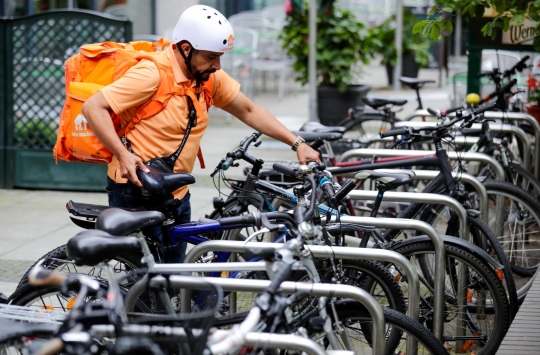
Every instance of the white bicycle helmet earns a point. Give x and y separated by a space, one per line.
205 28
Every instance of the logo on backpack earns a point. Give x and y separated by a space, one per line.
81 124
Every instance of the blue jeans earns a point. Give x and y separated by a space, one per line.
130 196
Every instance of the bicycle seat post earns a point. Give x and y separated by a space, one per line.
381 190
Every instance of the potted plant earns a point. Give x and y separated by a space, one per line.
342 44
533 106
415 47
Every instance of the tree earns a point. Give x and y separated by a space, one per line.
509 12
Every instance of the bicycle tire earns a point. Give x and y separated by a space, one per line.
53 261
485 280
479 232
520 177
522 209
351 312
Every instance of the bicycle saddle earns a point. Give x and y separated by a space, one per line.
311 136
163 184
386 181
317 127
117 221
376 103
414 83
90 247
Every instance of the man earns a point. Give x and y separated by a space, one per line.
201 36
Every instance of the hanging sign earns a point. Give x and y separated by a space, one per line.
523 34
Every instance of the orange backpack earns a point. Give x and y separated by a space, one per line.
98 65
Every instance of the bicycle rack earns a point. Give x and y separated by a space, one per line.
317 251
493 126
431 174
360 254
518 116
325 290
427 198
384 153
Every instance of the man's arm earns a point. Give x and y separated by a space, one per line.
263 121
96 111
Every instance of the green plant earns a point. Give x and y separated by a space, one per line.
36 133
508 12
384 37
342 42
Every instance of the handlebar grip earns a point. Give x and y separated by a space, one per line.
433 112
317 143
42 277
395 132
284 169
344 191
238 220
227 163
485 108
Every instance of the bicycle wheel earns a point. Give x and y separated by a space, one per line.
520 177
352 316
59 261
446 223
485 312
514 217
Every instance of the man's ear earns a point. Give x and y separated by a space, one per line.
185 47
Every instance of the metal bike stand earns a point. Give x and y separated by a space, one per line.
316 251
518 116
440 259
436 199
431 174
494 127
314 289
214 267
387 153
287 341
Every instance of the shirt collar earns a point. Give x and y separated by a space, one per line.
179 68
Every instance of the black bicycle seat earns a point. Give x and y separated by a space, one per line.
376 103
386 181
414 83
117 221
163 184
317 127
311 136
90 247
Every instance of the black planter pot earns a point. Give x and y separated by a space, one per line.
409 68
333 105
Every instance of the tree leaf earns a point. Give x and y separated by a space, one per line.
418 26
506 22
518 20
448 27
536 43
435 33
448 9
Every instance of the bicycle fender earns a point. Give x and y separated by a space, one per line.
460 242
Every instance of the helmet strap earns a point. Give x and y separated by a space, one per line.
187 59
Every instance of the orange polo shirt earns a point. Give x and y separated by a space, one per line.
161 135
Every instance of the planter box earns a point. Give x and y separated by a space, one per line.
334 105
409 68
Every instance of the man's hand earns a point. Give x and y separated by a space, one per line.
128 167
306 154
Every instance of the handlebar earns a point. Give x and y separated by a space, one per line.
285 170
395 132
41 277
503 90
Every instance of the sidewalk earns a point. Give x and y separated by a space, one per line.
35 222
